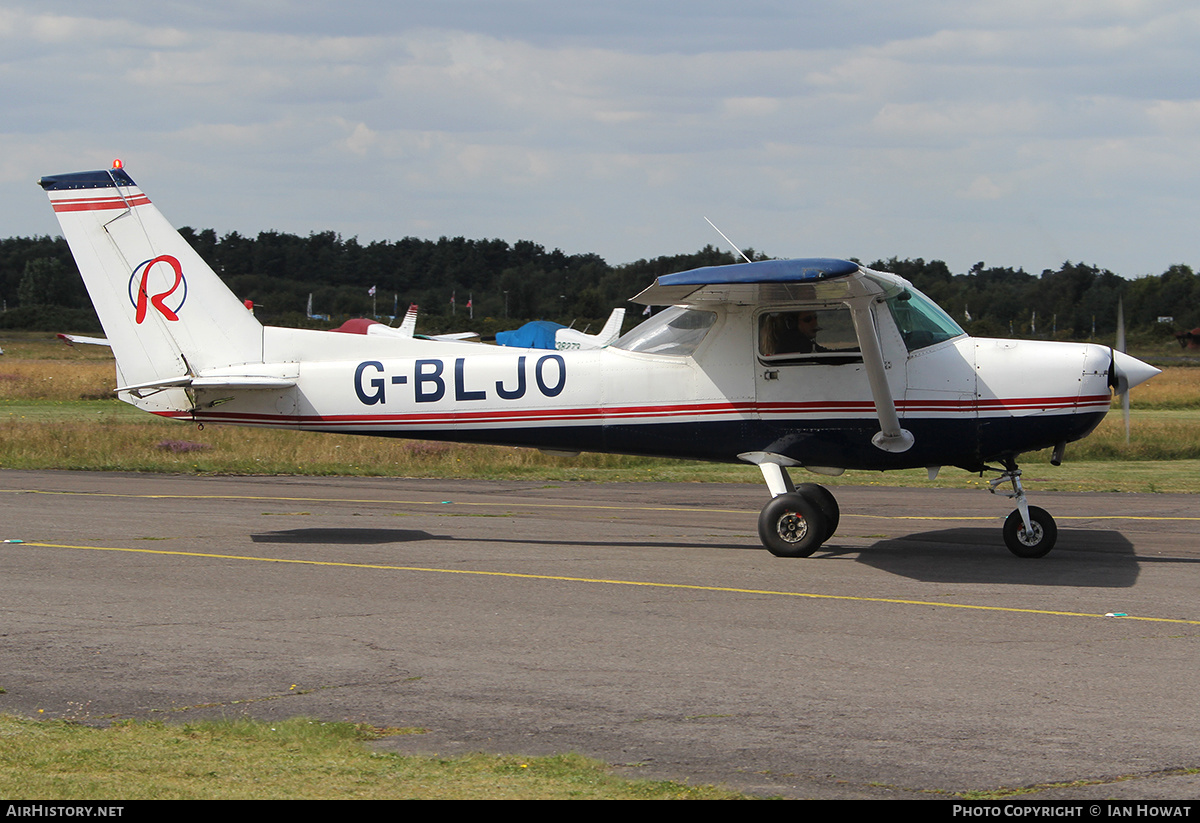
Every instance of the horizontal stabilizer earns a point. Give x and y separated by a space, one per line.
238 381
72 339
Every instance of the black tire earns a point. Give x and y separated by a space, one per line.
826 502
1037 544
792 525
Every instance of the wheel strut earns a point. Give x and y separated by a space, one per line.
1029 531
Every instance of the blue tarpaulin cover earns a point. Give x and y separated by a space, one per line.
538 334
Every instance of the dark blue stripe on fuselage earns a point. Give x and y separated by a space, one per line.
840 443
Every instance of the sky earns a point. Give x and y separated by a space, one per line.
1012 132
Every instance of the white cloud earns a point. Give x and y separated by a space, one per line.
959 121
361 140
1176 117
751 106
984 188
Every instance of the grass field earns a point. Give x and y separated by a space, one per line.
298 759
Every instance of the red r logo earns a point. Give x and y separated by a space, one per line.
142 298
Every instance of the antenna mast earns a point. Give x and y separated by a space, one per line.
727 240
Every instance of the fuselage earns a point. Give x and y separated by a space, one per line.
966 400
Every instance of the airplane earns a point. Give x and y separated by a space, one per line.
819 364
406 329
543 334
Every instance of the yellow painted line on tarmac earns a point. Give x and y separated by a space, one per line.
642 583
595 506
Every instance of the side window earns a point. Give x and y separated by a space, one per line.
817 335
675 331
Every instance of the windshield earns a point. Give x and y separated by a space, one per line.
921 321
676 331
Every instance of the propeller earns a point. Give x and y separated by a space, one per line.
1121 348
1125 372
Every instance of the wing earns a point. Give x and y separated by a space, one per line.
768 281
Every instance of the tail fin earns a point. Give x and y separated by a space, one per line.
408 326
612 328
165 312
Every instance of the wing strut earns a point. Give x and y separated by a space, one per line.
891 438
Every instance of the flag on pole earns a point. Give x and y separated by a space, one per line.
371 291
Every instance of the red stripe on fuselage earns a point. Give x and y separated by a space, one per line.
821 410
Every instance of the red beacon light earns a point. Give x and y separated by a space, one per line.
117 164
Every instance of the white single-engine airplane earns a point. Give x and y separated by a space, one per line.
820 363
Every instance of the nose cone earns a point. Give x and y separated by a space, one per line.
1130 371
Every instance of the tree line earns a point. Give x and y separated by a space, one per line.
488 285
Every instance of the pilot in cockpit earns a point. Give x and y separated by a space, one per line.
789 332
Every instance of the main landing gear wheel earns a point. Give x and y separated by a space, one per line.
1035 542
792 525
825 501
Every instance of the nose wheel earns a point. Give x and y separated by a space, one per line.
1029 531
1037 539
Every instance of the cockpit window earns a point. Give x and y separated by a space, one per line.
921 321
676 331
814 330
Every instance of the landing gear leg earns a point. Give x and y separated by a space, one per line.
799 518
1029 531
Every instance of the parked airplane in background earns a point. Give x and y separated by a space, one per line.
543 334
820 364
407 328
